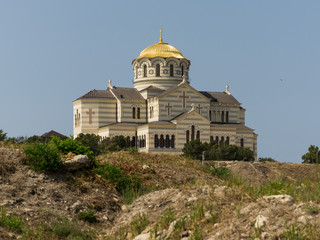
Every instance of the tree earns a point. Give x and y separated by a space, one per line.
194 149
312 156
3 135
92 141
266 159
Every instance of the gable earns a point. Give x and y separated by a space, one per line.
190 116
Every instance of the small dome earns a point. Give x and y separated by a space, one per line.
160 49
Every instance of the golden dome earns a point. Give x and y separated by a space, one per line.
160 49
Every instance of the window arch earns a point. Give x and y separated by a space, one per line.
198 134
161 141
167 142
144 70
242 142
227 141
211 139
227 116
172 141
222 116
217 139
182 70
210 115
171 70
158 70
156 141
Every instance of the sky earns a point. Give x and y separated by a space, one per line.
268 52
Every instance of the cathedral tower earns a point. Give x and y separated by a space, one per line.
160 65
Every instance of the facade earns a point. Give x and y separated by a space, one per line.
163 111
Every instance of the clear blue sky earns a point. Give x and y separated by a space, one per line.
52 52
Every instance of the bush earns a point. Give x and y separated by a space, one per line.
116 143
71 145
266 160
92 141
43 156
120 180
3 135
13 223
194 149
312 156
87 216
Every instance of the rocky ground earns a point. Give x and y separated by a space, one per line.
185 200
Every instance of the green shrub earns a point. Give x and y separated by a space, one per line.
92 141
3 135
268 159
167 218
13 223
121 181
220 172
64 229
117 143
70 145
43 156
194 149
87 216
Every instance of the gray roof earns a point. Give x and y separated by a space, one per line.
220 97
123 124
126 93
238 126
151 87
98 94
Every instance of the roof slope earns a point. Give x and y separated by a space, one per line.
126 93
97 94
220 97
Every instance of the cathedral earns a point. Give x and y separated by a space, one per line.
163 111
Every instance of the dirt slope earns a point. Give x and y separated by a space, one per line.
184 193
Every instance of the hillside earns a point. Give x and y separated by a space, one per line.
180 199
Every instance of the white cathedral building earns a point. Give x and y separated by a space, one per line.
163 111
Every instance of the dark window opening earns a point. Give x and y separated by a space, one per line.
156 141
242 142
161 141
133 112
198 135
167 142
187 136
138 113
182 71
172 141
192 132
158 70
227 116
171 70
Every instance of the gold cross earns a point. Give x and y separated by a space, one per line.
90 113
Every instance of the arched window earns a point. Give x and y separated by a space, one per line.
192 132
214 116
128 142
133 112
222 116
227 141
210 116
172 141
227 116
211 139
158 70
222 141
144 141
144 70
156 141
187 136
137 72
182 71
171 70
242 142
217 139
133 142
138 113
167 143
198 135
161 141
